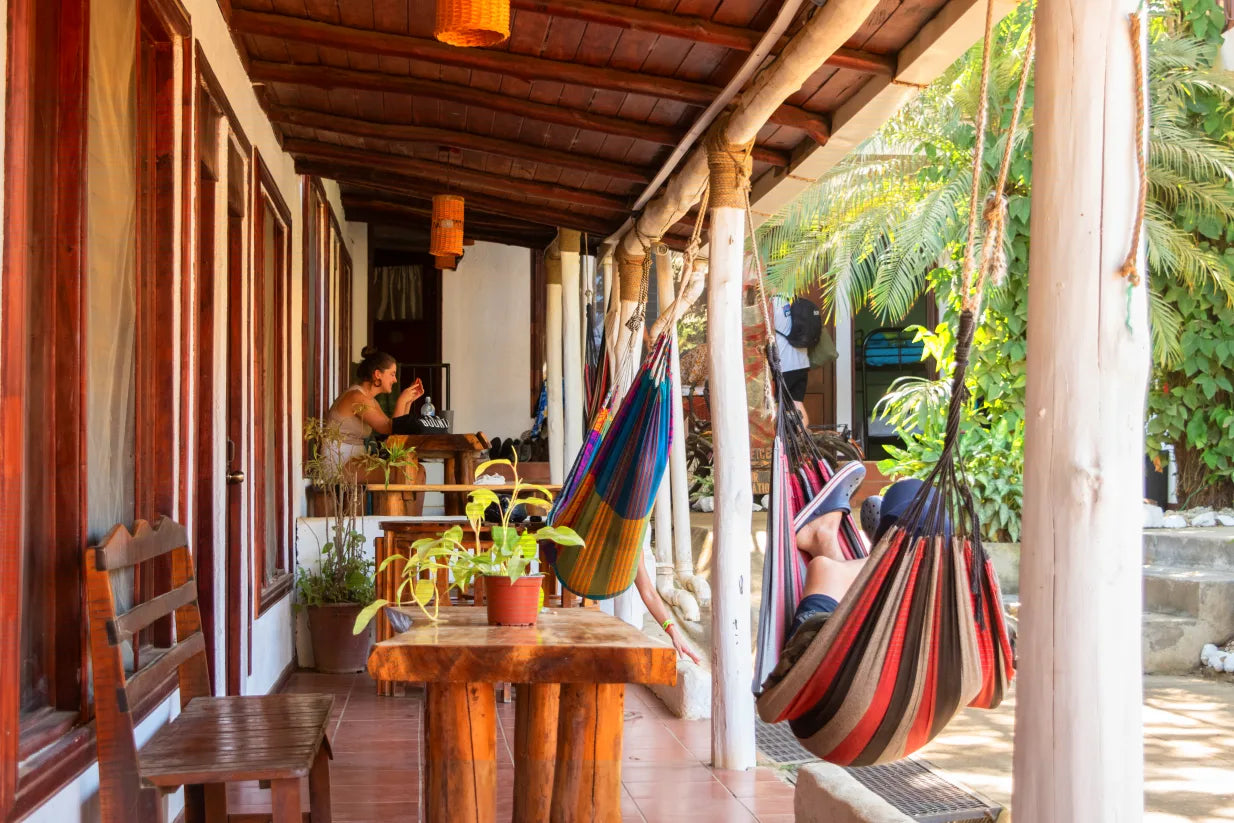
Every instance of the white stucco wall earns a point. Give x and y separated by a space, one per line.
486 305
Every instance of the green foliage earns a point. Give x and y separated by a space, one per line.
344 574
889 223
394 454
511 554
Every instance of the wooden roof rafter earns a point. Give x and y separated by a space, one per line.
445 174
327 78
522 66
457 138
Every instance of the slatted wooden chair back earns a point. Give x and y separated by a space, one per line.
117 693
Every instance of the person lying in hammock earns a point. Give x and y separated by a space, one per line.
829 574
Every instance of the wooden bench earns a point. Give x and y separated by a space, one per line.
275 739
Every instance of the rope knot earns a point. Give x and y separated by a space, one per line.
730 167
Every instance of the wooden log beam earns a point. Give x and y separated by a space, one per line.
1079 744
825 33
417 238
328 78
692 29
523 66
446 173
424 208
417 187
498 147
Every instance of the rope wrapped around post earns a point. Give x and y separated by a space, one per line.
730 166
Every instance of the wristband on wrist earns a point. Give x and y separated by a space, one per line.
667 624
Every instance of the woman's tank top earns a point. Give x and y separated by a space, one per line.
354 430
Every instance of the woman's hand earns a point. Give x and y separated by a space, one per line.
679 643
408 396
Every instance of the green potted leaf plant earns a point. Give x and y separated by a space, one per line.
511 591
396 460
335 592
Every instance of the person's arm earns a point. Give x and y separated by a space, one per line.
781 315
659 611
371 413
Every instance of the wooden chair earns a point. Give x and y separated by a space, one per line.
275 739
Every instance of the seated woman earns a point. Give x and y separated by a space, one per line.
356 412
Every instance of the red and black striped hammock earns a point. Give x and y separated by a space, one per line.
921 633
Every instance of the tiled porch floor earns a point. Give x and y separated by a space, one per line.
375 775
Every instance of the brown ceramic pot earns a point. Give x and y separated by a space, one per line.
514 603
335 649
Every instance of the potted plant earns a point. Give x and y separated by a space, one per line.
513 594
334 593
398 459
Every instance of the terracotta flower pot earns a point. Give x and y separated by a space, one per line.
514 603
335 649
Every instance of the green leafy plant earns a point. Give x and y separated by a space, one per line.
511 553
344 575
394 454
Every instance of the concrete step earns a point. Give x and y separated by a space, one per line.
1172 642
1205 594
1197 548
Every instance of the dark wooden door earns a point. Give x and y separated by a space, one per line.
236 456
411 335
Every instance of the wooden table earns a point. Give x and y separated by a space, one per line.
571 669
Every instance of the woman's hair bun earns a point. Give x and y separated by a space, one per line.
368 351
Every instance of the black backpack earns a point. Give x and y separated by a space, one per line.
807 327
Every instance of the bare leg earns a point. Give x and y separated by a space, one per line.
821 536
801 407
829 572
831 577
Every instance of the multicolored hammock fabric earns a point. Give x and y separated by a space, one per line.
608 494
919 636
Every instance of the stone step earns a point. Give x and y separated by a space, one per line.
1205 594
1172 642
1196 548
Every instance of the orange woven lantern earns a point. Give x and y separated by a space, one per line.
446 238
472 22
445 262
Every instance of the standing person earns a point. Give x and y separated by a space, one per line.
356 412
794 360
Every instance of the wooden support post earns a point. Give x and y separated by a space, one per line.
572 339
552 337
1079 749
609 276
587 782
732 709
460 753
535 750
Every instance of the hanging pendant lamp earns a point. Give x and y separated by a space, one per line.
446 236
445 262
472 22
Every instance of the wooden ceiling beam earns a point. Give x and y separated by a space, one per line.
445 174
523 66
410 186
692 29
416 206
417 240
404 133
329 79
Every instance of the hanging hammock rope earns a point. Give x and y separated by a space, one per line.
1129 269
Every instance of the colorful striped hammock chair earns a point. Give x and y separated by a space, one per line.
608 494
921 633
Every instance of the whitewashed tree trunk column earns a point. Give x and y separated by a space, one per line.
552 338
1079 751
572 340
732 706
683 533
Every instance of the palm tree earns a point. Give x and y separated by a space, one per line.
890 220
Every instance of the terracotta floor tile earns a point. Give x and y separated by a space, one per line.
746 784
666 773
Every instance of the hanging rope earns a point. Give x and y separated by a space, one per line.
993 250
968 300
1129 270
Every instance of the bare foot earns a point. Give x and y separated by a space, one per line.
820 537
